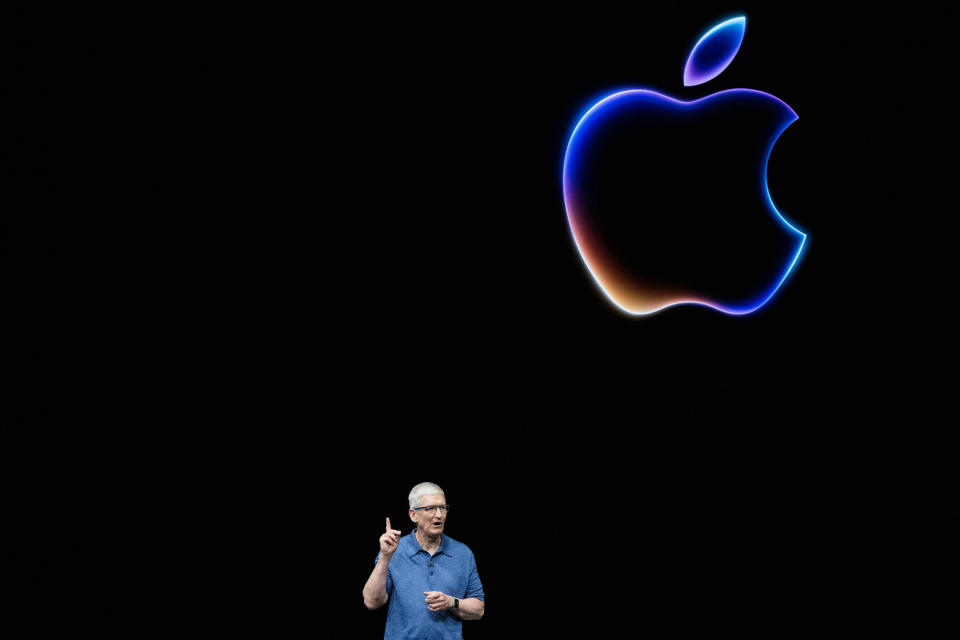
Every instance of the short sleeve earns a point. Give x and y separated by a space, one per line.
474 587
389 577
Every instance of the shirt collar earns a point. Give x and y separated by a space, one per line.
415 547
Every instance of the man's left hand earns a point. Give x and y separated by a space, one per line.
438 601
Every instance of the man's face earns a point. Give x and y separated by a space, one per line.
430 520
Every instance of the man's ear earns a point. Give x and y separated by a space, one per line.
413 515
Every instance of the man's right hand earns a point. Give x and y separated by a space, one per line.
389 541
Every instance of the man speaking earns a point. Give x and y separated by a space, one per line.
429 579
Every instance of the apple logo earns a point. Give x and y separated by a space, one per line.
667 200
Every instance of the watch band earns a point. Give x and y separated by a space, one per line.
456 603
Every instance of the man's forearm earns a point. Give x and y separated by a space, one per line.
375 591
469 609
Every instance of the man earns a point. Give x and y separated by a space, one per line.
429 579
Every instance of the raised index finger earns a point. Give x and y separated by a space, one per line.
388 524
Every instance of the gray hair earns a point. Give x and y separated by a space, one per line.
423 489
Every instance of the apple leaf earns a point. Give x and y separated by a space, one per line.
714 51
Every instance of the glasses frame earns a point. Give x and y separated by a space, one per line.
428 510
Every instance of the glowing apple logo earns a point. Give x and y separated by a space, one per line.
668 200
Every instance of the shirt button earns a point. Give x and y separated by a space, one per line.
431 573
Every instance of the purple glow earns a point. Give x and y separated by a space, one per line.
714 52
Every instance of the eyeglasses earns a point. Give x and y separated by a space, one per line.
442 507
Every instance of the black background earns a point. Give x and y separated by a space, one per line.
269 272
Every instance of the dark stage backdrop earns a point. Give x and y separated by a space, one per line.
272 271
690 473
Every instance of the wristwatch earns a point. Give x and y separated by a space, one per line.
456 603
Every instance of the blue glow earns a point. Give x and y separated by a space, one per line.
790 117
714 52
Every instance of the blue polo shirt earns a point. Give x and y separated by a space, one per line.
412 571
